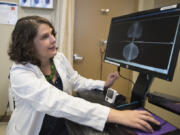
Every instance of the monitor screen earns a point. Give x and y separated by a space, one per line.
146 41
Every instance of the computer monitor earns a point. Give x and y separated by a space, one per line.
147 42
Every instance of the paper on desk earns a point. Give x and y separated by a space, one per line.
8 13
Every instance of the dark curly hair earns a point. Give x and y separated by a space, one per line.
21 48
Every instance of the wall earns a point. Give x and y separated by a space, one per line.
145 4
161 3
5 32
92 26
158 85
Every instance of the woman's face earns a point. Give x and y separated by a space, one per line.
45 43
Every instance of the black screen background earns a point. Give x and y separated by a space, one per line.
154 44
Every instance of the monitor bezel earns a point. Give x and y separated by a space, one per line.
170 74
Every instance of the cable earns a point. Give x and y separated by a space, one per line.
101 64
102 50
118 68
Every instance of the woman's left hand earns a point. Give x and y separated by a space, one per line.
111 79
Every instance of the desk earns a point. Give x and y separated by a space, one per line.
110 128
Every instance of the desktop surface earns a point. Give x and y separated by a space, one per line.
165 126
117 129
112 128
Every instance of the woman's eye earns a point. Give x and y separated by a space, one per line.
45 36
53 33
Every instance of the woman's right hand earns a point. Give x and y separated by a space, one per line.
133 118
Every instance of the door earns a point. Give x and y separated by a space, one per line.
92 20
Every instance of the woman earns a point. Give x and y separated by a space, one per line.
42 80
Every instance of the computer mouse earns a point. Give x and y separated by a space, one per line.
154 126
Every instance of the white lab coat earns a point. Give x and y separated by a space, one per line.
35 97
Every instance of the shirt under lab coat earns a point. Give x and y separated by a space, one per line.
35 97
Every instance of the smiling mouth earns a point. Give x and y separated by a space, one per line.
53 47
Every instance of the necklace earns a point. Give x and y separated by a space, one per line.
50 77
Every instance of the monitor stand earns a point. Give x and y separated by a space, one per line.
141 87
139 92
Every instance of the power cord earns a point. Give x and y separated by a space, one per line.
118 69
102 51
